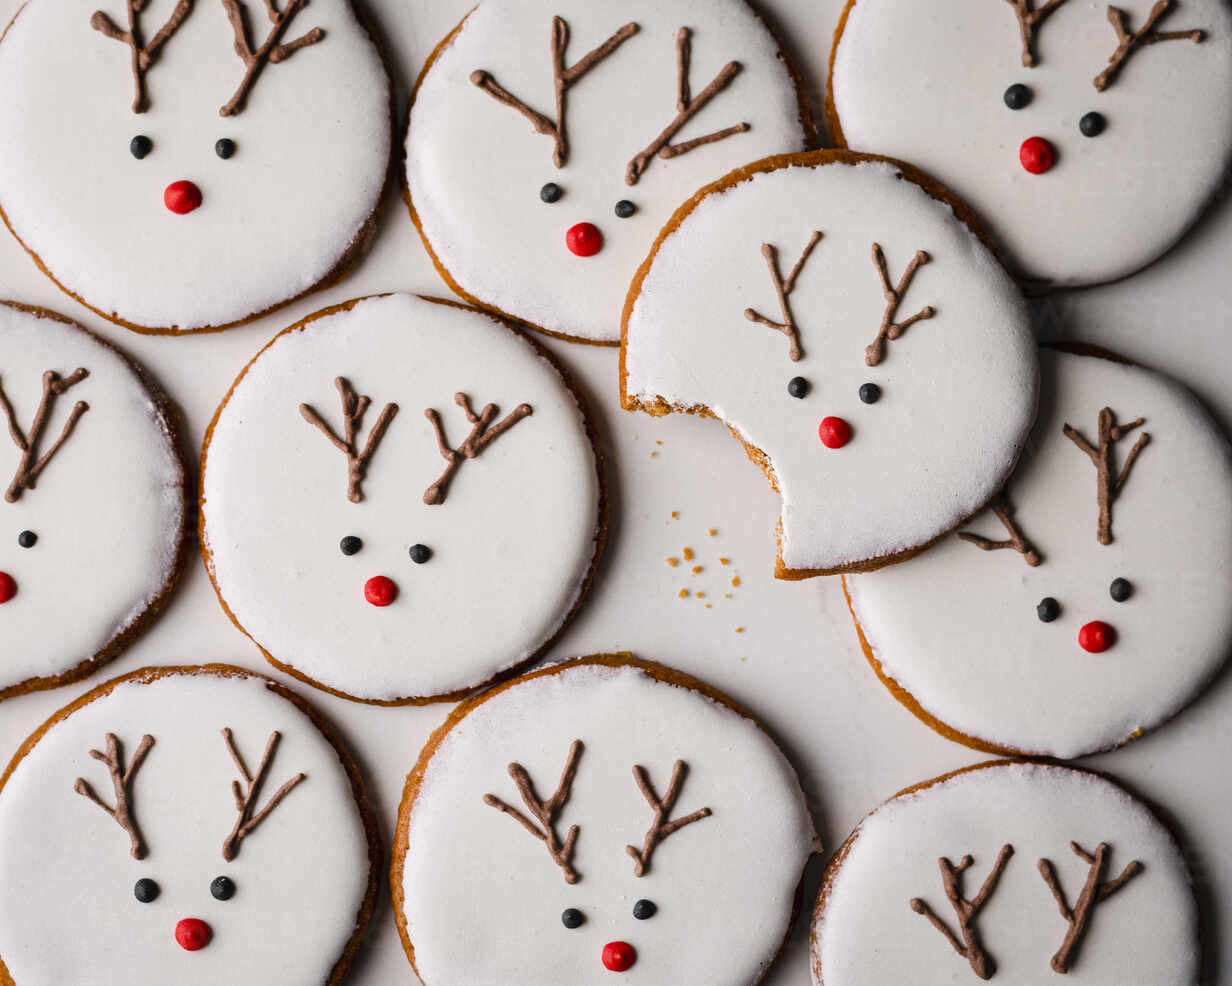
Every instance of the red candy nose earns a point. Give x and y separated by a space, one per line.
8 587
834 432
181 197
193 934
1037 155
619 956
584 239
1096 637
380 591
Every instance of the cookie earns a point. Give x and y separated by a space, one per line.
1089 136
401 500
603 815
842 316
94 507
219 166
178 810
549 141
1088 604
1011 872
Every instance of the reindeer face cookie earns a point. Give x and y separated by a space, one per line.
1013 873
401 500
92 501
154 830
602 816
1089 135
550 139
855 333
1089 603
181 165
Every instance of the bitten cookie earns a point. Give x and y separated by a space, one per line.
401 500
175 810
1011 872
1089 136
550 139
94 509
843 318
606 815
183 166
1090 602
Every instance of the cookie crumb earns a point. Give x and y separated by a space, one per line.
688 554
702 595
724 561
697 569
707 606
712 531
736 580
675 514
739 629
654 455
727 595
673 561
684 593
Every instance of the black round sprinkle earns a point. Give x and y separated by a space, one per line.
798 387
551 192
571 918
1092 124
1048 609
1017 96
145 890
350 545
27 539
222 888
420 553
224 147
644 909
140 146
1120 590
870 393
625 208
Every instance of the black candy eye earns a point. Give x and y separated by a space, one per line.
27 539
870 393
551 192
1120 590
145 890
798 387
572 918
140 146
625 208
420 553
644 909
224 147
1092 124
1018 96
1048 609
222 888
350 545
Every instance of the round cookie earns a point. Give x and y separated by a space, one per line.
94 511
229 164
178 810
1098 608
842 316
419 550
1089 136
550 139
603 815
1011 872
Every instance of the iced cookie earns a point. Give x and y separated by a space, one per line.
183 166
93 513
1089 136
1012 872
845 320
550 139
606 815
175 810
401 500
1089 603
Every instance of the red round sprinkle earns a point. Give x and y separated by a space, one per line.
193 934
834 432
1037 155
1096 637
8 587
584 239
619 956
181 197
380 591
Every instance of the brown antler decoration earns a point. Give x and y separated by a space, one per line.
31 464
143 55
1130 42
353 408
1107 487
545 812
271 50
966 910
889 329
1093 892
1029 21
1017 540
481 437
784 289
660 827
563 77
245 801
687 106
121 782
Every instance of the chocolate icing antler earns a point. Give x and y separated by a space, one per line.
270 50
687 106
1017 540
784 289
1029 21
121 782
1108 485
545 812
966 910
143 55
1093 892
481 437
563 77
353 408
245 801
1129 42
890 329
660 827
31 465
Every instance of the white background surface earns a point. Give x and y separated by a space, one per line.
797 664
